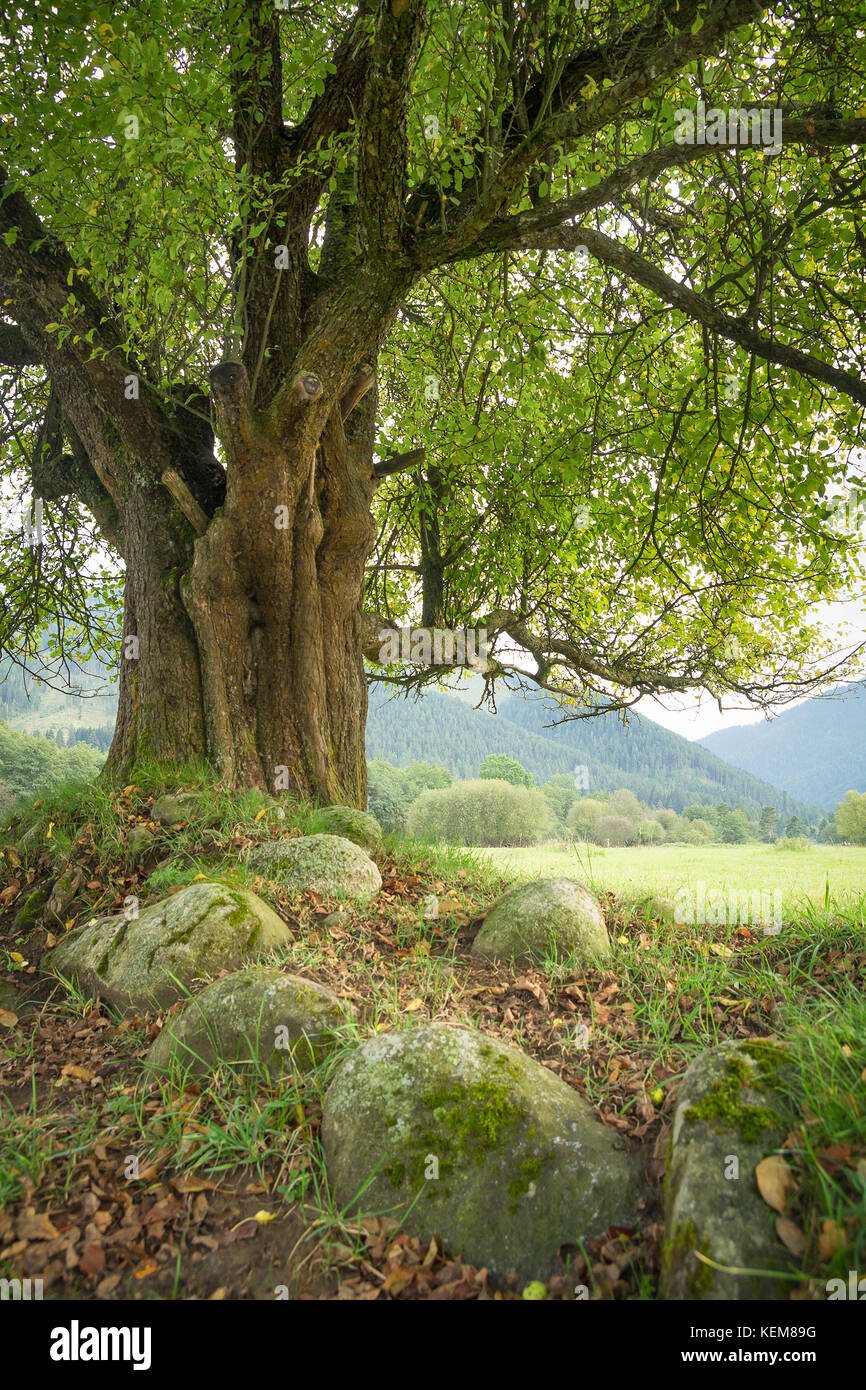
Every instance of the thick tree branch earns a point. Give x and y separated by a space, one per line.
551 652
174 483
397 463
230 392
331 113
40 282
15 351
383 146
736 330
647 71
357 389
509 233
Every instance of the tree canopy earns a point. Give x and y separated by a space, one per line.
607 377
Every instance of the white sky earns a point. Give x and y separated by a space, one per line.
694 717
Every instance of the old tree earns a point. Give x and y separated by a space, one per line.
322 319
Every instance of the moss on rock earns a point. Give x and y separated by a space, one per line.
30 911
730 1114
260 1016
358 826
461 1135
327 864
154 959
548 916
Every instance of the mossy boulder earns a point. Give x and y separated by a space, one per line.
32 838
358 826
168 810
31 909
547 916
139 839
457 1134
729 1115
327 864
10 997
257 1015
154 959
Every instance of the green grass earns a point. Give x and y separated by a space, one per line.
665 869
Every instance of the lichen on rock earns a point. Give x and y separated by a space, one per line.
259 1016
358 826
547 916
155 958
327 864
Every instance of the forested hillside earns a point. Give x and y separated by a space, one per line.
661 768
816 751
32 705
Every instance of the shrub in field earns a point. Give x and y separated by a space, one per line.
850 818
614 830
388 797
584 814
490 812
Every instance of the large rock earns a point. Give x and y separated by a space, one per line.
168 810
358 826
153 959
507 1162
139 839
728 1117
257 1015
327 864
548 916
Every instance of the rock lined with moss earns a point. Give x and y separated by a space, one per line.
139 839
156 958
30 911
506 1161
168 810
10 997
729 1116
549 916
327 864
257 1015
31 838
358 826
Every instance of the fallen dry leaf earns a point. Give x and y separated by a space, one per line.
31 1226
775 1180
790 1235
831 1239
7 1018
92 1260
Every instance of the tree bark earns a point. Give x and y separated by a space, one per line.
249 635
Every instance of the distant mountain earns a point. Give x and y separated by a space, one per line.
34 708
660 767
816 751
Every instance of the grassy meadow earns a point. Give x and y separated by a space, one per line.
820 875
